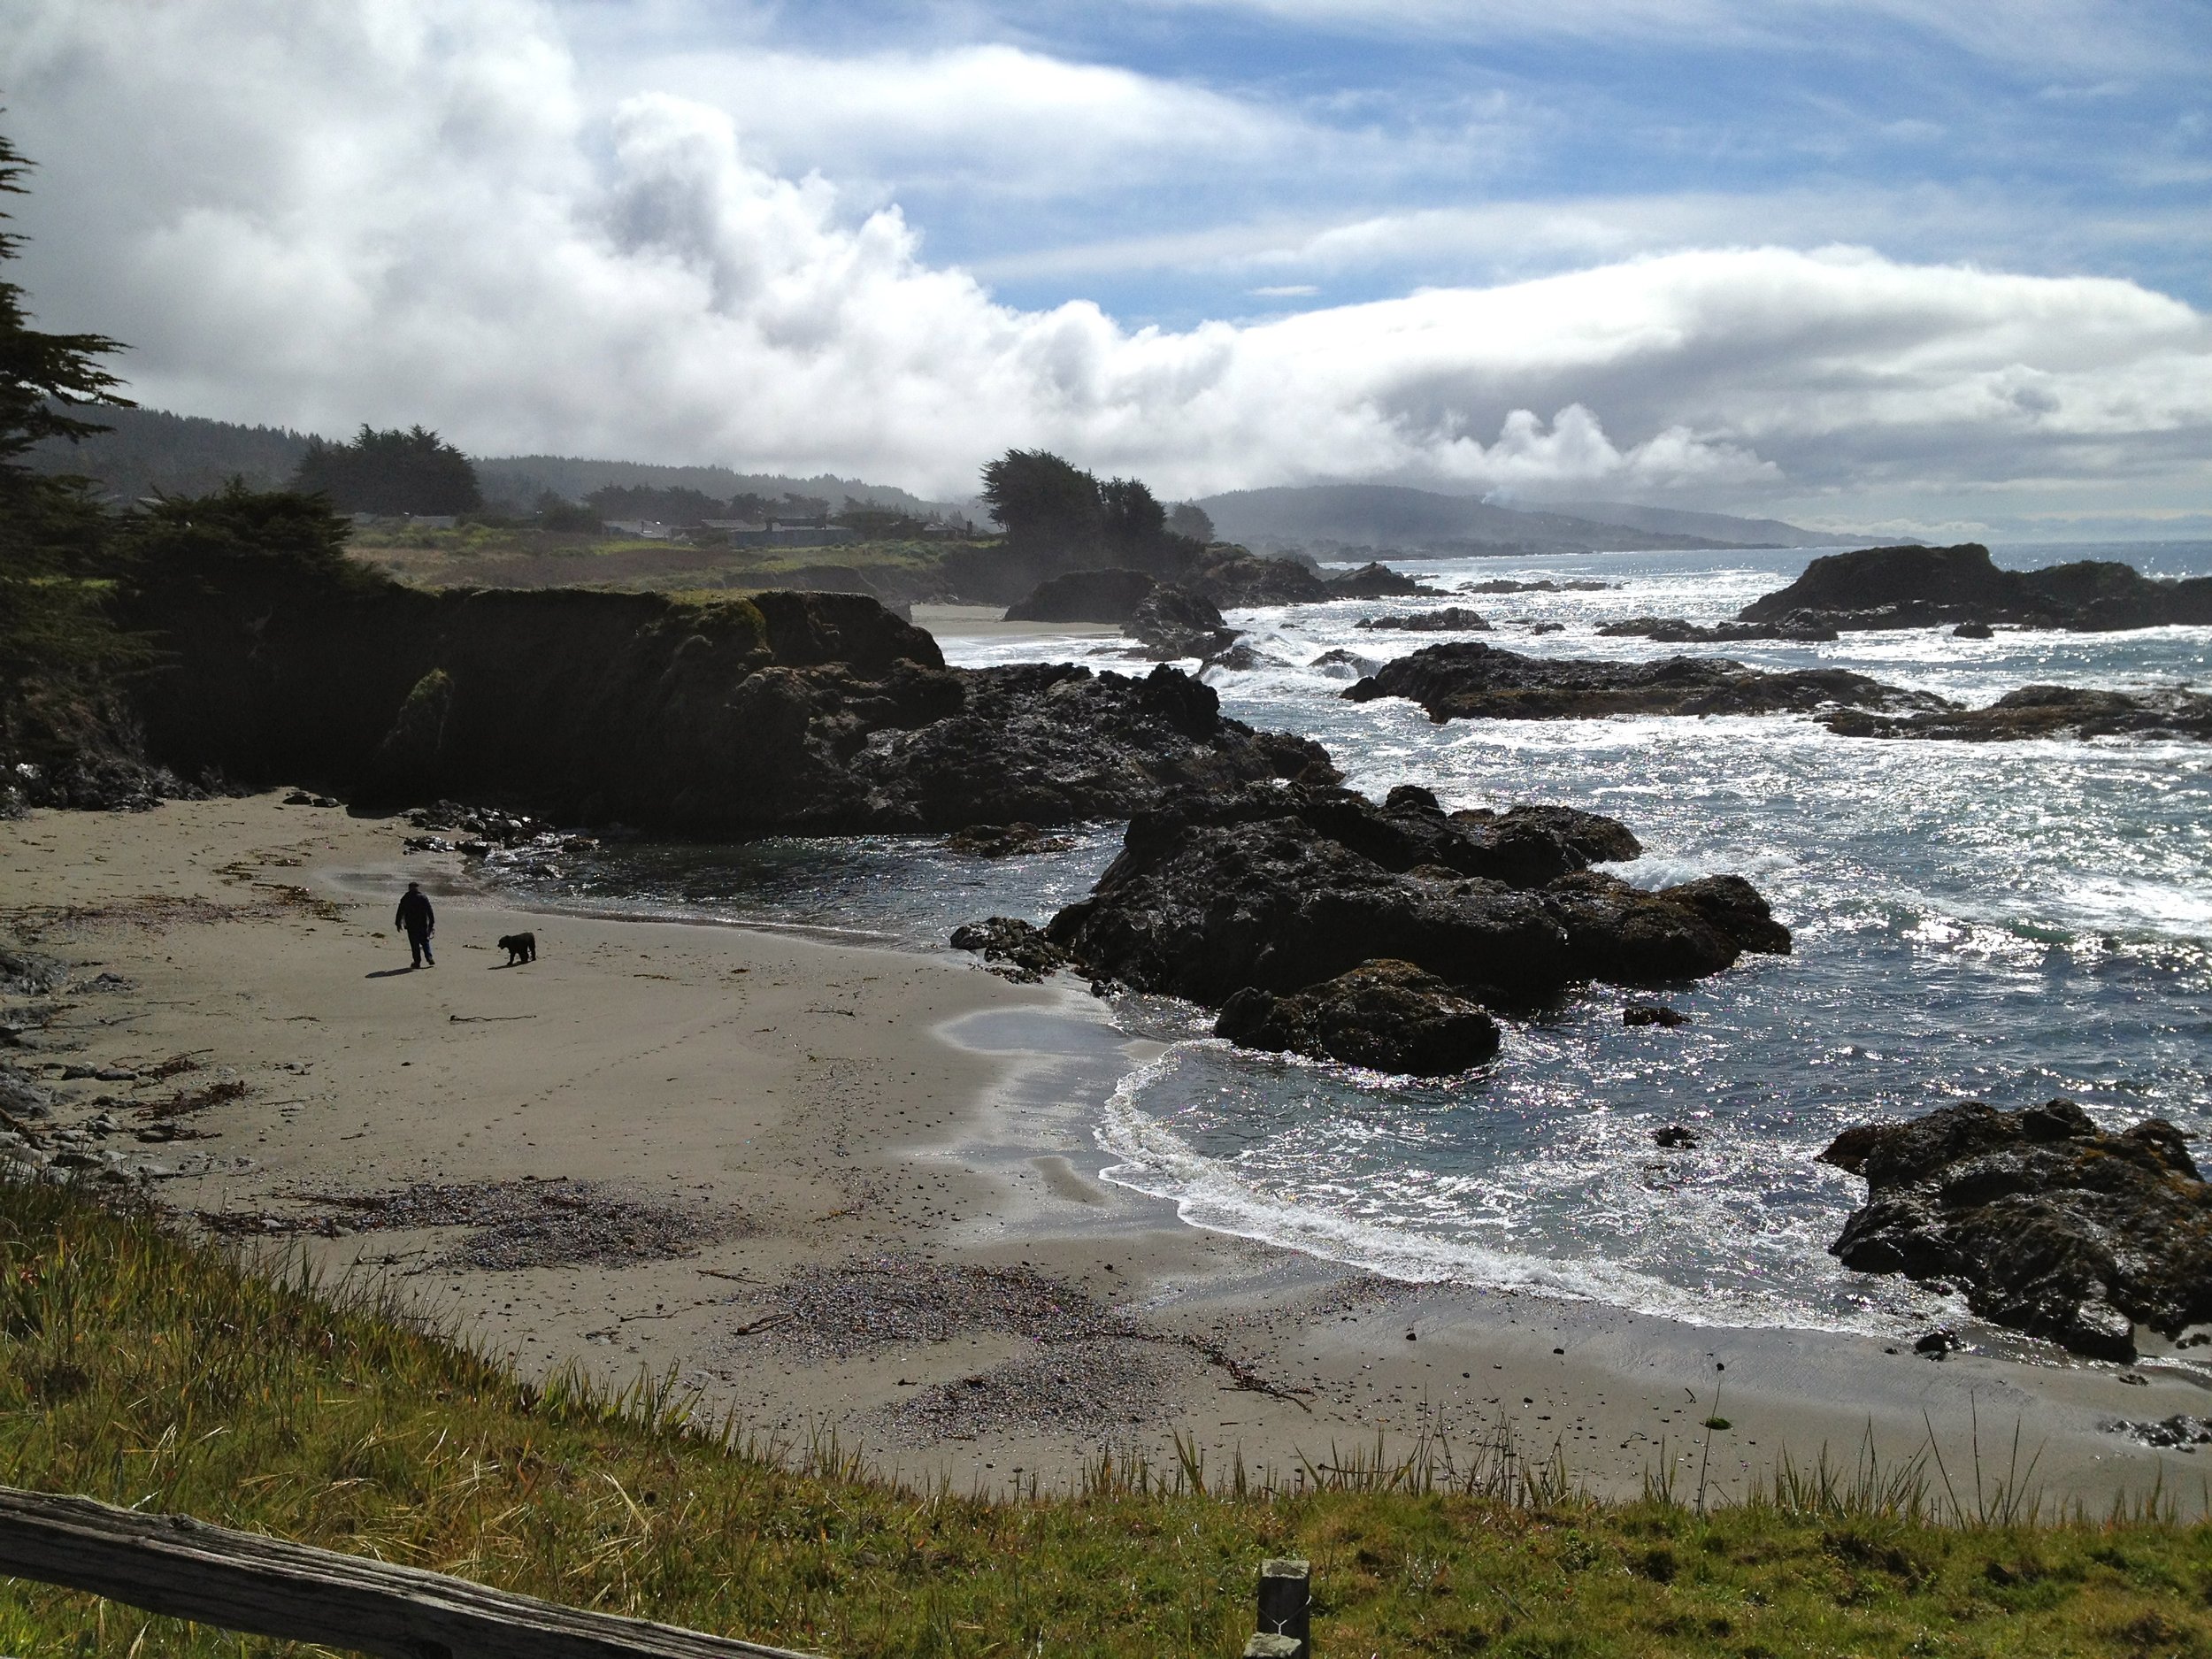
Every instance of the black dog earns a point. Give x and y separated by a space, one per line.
520 948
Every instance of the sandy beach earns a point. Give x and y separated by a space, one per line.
843 1189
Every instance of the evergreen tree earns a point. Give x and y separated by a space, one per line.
1042 501
395 471
52 532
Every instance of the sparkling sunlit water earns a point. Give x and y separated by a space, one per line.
2000 921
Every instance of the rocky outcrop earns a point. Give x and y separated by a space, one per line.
1106 595
1283 887
1012 949
1450 619
1391 1016
2045 711
1676 631
1924 586
1172 622
814 712
2050 1225
1235 579
1003 840
1374 580
1470 680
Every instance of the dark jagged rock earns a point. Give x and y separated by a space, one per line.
1468 679
1653 1014
1450 619
1172 622
1003 840
1023 953
1282 888
1235 579
1973 631
1924 586
2045 711
1676 631
1048 743
1387 1015
2051 1225
1375 581
1674 1138
810 713
1106 596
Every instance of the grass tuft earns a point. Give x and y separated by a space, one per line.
152 1369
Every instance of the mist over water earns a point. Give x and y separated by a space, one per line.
2006 922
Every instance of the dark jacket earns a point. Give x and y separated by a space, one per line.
414 915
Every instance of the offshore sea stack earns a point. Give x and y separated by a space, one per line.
1279 889
1925 587
2050 1226
1470 680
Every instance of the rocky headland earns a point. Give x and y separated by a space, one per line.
783 711
2050 1225
1468 679
1280 889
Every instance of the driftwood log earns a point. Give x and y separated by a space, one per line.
268 1586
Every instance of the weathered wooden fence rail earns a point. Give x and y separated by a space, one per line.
267 1586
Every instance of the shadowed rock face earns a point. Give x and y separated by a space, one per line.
1281 888
1922 587
1175 621
2045 711
1470 680
1676 631
818 712
1106 596
2050 1225
1387 1015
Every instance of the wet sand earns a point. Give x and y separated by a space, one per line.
845 1189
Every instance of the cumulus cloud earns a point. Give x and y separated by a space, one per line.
406 212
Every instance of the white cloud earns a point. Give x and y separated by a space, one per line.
410 211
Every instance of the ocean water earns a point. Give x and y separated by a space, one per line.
2002 922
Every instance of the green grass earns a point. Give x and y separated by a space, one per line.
148 1370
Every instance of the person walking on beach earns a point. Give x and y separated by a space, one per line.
419 921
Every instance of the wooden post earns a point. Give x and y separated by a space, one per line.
1285 1605
269 1587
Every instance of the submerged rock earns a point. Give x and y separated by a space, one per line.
1391 1016
1468 679
2044 712
1003 840
1653 1014
1283 887
1450 619
2051 1225
1924 586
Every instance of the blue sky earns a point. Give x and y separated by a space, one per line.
1477 143
1881 264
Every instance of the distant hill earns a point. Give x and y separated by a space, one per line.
1725 527
1404 521
148 451
521 479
